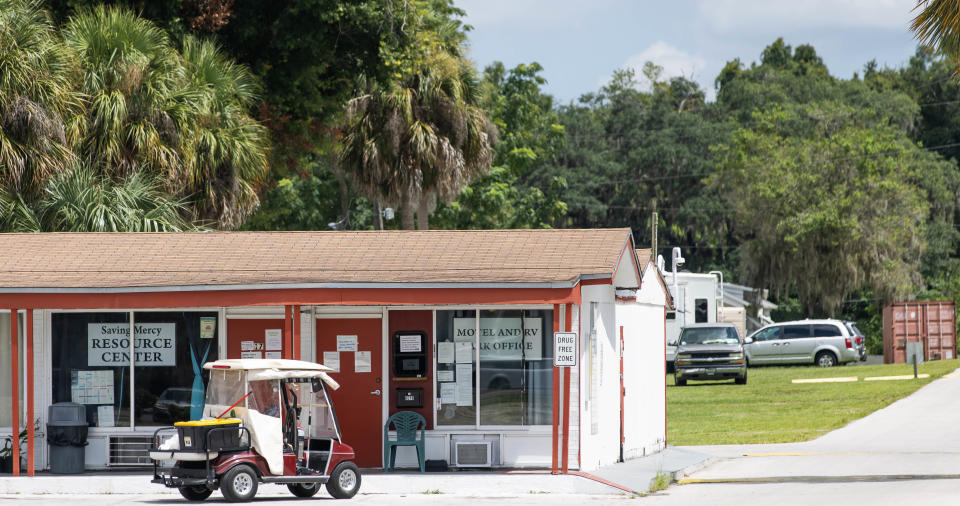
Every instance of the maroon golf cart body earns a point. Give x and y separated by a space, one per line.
264 421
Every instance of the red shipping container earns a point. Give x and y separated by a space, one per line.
932 322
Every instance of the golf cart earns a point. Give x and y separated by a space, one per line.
264 421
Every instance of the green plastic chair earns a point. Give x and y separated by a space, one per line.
406 424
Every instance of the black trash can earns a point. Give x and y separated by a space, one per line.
67 437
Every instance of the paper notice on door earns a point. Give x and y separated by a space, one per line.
105 416
411 344
448 393
361 361
208 324
464 353
445 353
444 376
251 354
273 354
331 359
346 343
273 339
464 384
247 345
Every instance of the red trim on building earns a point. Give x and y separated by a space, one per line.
556 400
15 391
567 317
296 332
301 296
28 337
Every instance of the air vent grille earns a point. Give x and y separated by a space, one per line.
473 454
130 451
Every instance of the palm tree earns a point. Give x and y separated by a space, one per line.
131 75
79 200
180 116
224 149
419 140
938 25
38 105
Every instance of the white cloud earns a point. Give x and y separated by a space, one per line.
675 62
733 15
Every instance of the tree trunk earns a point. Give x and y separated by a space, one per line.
407 210
344 191
378 219
423 213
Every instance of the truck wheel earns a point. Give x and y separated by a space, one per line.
195 492
239 484
825 359
344 481
680 382
304 489
740 381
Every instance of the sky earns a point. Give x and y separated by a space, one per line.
581 42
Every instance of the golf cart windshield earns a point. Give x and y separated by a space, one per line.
709 335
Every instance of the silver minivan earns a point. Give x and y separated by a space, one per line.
822 342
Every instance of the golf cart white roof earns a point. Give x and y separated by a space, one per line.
275 368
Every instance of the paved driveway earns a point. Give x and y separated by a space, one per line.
910 447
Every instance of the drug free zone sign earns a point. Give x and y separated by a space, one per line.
154 344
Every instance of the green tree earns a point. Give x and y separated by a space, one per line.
80 200
530 135
938 25
419 140
179 115
826 203
38 102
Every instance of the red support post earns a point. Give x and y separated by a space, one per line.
554 466
15 392
565 458
28 337
296 332
287 333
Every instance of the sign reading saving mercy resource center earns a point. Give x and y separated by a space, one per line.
564 349
154 344
500 337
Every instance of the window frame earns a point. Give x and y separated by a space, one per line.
787 338
132 428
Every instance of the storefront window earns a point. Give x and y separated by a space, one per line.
169 376
456 368
513 351
91 365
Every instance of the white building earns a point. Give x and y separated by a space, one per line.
455 325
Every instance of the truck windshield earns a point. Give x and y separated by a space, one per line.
709 335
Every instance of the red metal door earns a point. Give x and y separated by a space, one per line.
358 402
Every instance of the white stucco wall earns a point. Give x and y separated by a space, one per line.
644 403
599 404
644 374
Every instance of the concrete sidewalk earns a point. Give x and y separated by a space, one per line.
634 476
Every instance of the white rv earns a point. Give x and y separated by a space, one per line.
695 299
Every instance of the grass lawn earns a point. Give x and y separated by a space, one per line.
771 409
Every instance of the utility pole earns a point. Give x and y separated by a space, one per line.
654 221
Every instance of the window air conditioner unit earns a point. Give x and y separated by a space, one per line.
472 454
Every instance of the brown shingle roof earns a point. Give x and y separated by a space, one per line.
643 257
116 260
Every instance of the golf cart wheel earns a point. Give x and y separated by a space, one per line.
304 489
826 359
195 492
344 481
239 484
